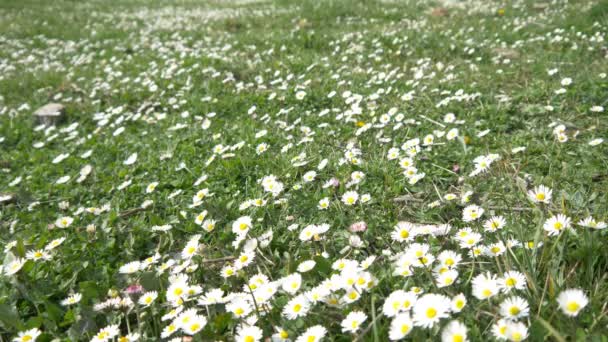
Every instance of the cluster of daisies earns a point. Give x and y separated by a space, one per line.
293 260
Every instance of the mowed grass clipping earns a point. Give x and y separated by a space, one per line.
258 170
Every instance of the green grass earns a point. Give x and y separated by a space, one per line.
100 58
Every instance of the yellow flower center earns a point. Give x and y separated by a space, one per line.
405 328
249 338
486 293
540 196
457 338
572 306
514 310
239 311
510 282
284 334
195 327
297 308
404 234
431 313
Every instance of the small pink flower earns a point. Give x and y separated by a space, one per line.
134 289
334 182
356 227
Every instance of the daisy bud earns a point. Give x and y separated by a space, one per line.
356 227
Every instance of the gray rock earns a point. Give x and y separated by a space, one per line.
50 114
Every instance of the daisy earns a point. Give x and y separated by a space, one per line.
129 338
403 232
470 240
151 187
429 309
572 301
514 308
317 294
590 222
281 335
313 334
556 224
454 332
323 203
306 266
239 308
471 213
291 284
64 222
71 300
106 333
296 307
495 223
485 286
393 153
449 258
516 331
512 280
242 225
458 302
148 298
244 260
596 142
400 327
208 225
353 321
446 278
200 218
194 325
350 197
250 334
499 329
40 254
261 148
540 194
495 249
130 267
14 266
28 335
309 176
